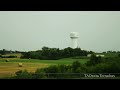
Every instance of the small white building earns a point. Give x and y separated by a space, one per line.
100 55
89 55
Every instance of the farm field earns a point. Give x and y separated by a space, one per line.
9 68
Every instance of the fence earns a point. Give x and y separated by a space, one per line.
69 75
6 74
81 75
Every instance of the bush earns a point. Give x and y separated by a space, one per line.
105 67
63 68
75 65
39 74
94 60
23 75
51 69
118 55
114 67
101 68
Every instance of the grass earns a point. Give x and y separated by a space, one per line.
61 61
9 68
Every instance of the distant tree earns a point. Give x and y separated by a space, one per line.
118 51
94 60
44 48
114 52
109 51
17 51
91 52
75 65
54 53
68 52
118 55
3 52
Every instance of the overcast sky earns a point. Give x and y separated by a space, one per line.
31 30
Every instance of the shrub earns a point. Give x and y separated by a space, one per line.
94 60
114 67
23 75
51 69
75 65
101 68
118 55
39 74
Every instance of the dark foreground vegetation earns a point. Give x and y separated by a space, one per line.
76 70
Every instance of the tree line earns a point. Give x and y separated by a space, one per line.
55 53
4 52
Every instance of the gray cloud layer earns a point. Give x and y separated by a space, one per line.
31 30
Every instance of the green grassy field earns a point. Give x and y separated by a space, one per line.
9 68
